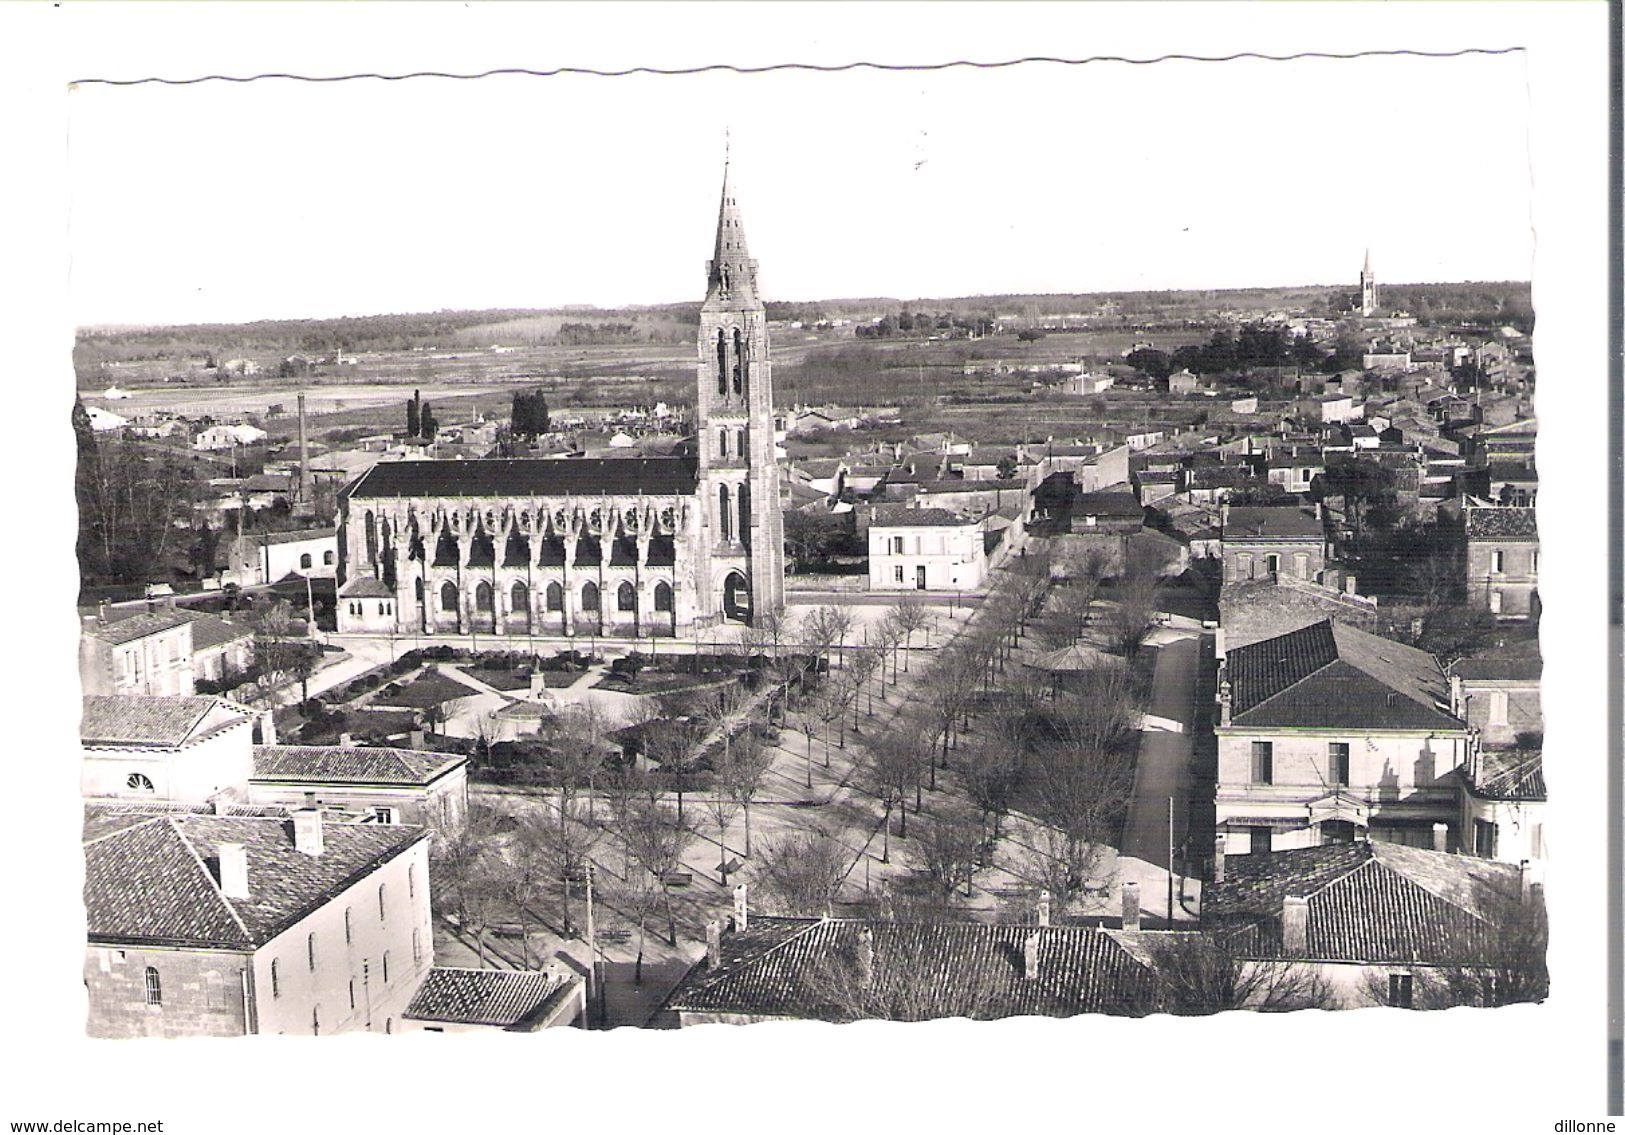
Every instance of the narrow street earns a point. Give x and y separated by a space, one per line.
1164 768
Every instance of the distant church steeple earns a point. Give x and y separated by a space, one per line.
1368 288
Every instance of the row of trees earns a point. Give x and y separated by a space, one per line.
530 417
420 420
135 504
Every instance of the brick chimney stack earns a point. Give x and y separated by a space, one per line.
307 831
741 908
1441 837
1029 957
1043 908
233 870
1295 925
713 944
1131 906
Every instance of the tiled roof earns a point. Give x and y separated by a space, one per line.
1500 523
1368 902
896 516
1509 774
1247 522
211 630
367 588
522 477
130 720
120 630
1331 676
497 997
1123 504
1497 669
807 968
293 537
332 764
153 879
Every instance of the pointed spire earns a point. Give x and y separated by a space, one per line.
1368 260
731 273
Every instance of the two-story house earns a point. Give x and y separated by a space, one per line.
208 925
1260 542
147 654
1329 731
1503 561
925 549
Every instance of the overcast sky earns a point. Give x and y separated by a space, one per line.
278 199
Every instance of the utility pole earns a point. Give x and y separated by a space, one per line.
592 949
1170 862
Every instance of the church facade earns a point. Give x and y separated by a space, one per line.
582 546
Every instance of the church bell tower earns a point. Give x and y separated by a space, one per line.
1368 288
742 529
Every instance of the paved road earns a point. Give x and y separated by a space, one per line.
1164 767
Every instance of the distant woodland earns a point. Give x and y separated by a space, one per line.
1506 302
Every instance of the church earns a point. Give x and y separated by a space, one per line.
581 546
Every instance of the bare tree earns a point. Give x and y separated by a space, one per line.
1083 761
890 770
465 877
951 848
659 839
910 619
995 767
861 667
741 776
802 873
1200 974
822 628
1133 612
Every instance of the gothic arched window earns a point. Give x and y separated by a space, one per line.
744 512
372 537
589 597
724 516
520 597
482 596
448 596
722 363
662 596
626 597
417 590
555 597
739 362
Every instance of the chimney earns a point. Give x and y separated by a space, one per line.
415 739
307 831
1224 514
1441 837
220 804
233 870
1029 956
345 741
741 908
87 622
1131 906
1218 858
1526 881
265 726
304 456
1350 584
1295 925
1043 908
101 611
866 956
1224 702
713 944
